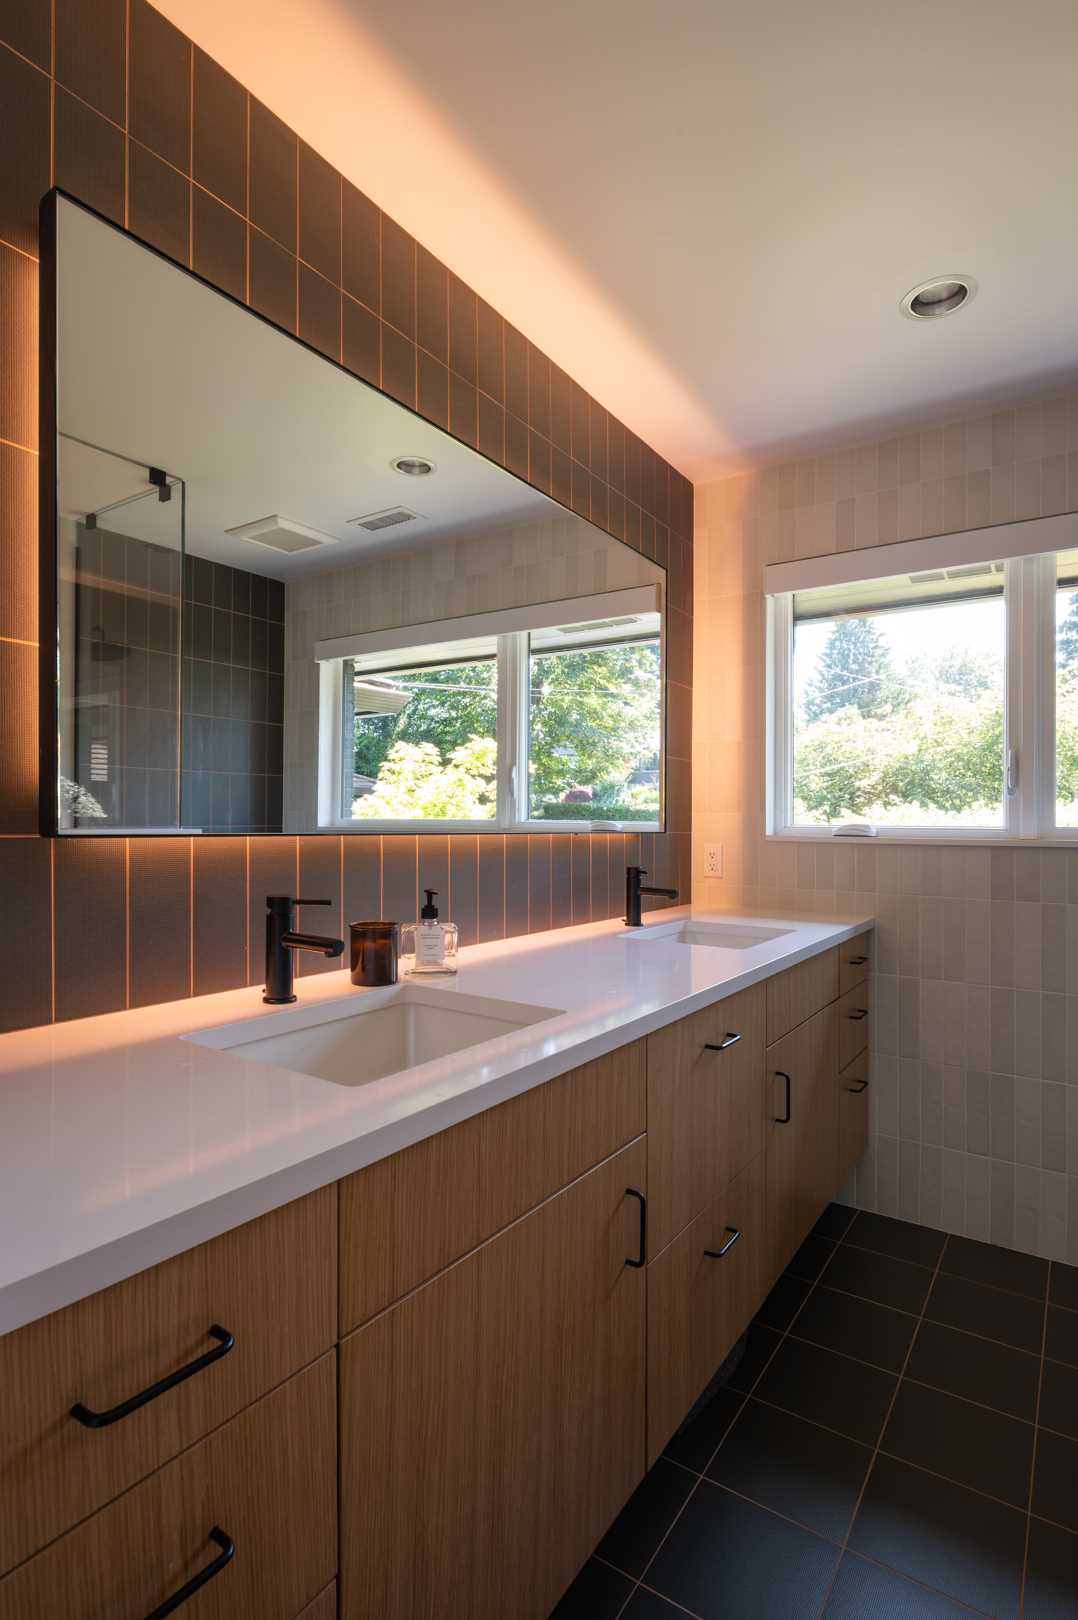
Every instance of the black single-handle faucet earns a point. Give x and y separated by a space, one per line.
282 939
634 889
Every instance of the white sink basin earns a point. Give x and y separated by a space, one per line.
381 1032
730 936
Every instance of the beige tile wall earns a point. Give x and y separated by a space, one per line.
974 1094
559 557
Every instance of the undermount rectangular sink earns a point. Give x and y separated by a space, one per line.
387 1032
726 936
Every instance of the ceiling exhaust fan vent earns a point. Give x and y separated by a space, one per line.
282 534
389 519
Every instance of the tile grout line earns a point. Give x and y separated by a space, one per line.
1036 1440
640 1580
883 1428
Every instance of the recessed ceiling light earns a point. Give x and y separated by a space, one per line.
940 296
413 466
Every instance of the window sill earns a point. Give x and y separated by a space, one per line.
429 827
985 837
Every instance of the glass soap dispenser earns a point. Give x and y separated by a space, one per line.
431 945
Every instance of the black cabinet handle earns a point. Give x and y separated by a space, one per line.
862 1012
220 1538
856 961
862 1085
783 1119
101 1420
728 1040
634 1192
717 1254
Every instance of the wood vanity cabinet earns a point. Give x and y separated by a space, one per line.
802 1127
492 1423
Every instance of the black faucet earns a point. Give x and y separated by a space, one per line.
634 889
282 939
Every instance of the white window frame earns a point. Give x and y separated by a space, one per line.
511 628
1028 550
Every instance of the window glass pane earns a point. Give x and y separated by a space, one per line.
595 717
1067 692
898 707
424 742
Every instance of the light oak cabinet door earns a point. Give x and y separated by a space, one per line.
802 1131
705 1108
852 1114
267 1481
407 1217
794 996
271 1285
492 1423
702 1292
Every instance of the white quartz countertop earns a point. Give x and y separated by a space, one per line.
122 1144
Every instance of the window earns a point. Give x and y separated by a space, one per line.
531 718
939 701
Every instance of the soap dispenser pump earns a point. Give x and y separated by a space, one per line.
433 943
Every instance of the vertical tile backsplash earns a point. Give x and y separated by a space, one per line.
974 1078
113 103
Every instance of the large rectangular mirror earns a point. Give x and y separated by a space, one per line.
282 602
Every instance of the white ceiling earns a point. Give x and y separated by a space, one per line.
159 369
708 210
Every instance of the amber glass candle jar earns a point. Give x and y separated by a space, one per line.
374 953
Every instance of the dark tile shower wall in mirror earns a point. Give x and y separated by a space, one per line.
108 100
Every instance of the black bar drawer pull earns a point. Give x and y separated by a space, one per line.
856 961
101 1420
717 1254
634 1192
862 1012
862 1085
221 1539
728 1040
783 1119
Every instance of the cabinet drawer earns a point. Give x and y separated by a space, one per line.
705 1108
853 1088
407 1217
700 1300
854 962
852 1019
267 1480
271 1284
801 991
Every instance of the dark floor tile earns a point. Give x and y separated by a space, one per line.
1059 1398
950 1538
694 1445
778 1460
1051 1573
857 1327
759 1348
597 1594
647 1605
728 1560
783 1303
969 1444
921 1245
963 1364
1054 1474
646 1517
1000 1268
829 1389
1063 1285
1061 1337
988 1311
878 1277
811 1258
862 1589
834 1221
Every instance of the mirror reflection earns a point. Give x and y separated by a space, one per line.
286 603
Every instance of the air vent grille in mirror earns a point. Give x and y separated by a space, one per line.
282 534
389 519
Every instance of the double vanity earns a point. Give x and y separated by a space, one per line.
382 1304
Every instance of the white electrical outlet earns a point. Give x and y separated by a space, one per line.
713 860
